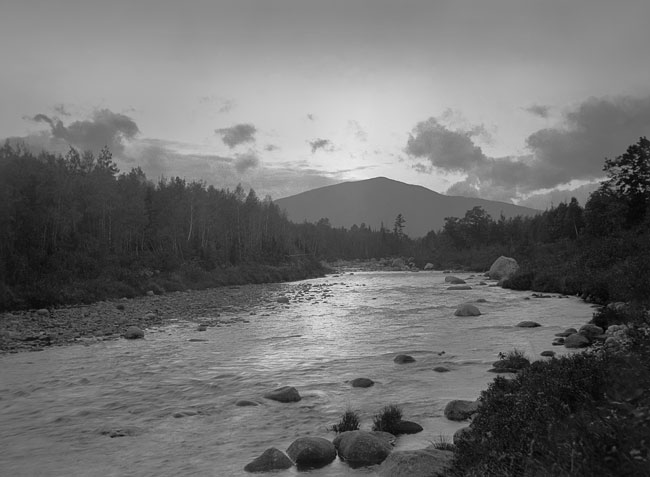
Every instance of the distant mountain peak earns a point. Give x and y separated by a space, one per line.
379 199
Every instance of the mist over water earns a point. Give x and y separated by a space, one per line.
170 402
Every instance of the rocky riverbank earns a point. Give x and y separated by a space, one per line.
33 330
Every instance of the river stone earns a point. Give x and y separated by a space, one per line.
576 341
359 448
591 331
283 299
459 287
404 358
427 462
547 354
528 324
459 410
133 333
558 342
362 383
312 451
454 280
284 394
407 427
271 459
245 403
503 268
441 369
43 312
467 310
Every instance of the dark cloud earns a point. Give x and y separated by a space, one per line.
61 110
237 134
311 117
324 144
444 148
104 129
247 161
575 150
271 147
539 110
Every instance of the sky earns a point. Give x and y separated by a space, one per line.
512 100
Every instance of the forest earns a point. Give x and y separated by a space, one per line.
74 229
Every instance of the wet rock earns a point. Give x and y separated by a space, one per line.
427 462
284 394
459 410
271 459
503 268
528 324
576 341
201 328
246 403
407 427
311 451
283 299
133 333
441 369
558 342
197 340
547 354
459 287
359 448
403 358
454 280
467 310
126 431
362 383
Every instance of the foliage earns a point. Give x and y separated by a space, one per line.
349 422
443 443
515 359
387 419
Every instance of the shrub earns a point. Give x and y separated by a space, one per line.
387 419
443 443
349 422
515 359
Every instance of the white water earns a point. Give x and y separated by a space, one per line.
57 405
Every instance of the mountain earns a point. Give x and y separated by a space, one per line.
378 200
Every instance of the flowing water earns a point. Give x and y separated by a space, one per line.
165 406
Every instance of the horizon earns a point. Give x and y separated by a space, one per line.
518 102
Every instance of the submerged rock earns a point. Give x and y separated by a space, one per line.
459 410
271 459
467 310
528 324
284 394
362 383
441 369
459 287
576 341
404 358
427 462
407 427
359 448
454 280
312 451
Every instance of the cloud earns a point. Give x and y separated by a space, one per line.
227 105
105 128
311 117
538 110
247 161
573 150
324 144
355 128
237 134
271 147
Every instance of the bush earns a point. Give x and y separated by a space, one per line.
443 443
387 419
515 359
349 422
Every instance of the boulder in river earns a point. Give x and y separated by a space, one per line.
283 299
362 383
441 369
407 427
359 448
133 333
528 324
503 268
429 462
459 410
43 312
576 341
404 358
271 459
467 310
454 280
284 394
459 287
312 451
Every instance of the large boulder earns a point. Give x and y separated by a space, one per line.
459 410
311 451
576 340
359 448
284 394
503 268
407 427
271 459
467 310
427 462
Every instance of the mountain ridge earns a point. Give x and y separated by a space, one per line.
379 200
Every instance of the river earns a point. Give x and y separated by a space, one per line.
170 402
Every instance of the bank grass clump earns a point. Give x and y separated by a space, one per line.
387 419
514 360
443 442
580 415
349 422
